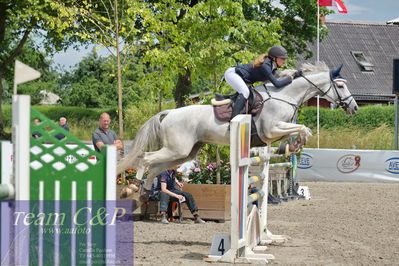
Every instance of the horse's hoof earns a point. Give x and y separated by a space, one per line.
124 193
129 190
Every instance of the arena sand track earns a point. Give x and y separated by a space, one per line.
343 224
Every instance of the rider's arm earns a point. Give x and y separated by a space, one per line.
278 83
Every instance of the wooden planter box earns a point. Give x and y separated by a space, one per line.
213 201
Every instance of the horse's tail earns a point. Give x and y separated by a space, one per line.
146 137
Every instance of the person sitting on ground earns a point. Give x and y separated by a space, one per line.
62 123
166 189
262 69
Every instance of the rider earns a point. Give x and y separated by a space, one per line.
262 69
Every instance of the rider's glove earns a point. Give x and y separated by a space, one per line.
297 74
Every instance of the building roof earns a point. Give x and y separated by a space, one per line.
393 21
361 46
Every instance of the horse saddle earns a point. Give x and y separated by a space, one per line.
223 105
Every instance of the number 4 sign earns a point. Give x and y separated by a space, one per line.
220 245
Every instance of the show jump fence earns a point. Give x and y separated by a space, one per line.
249 231
53 180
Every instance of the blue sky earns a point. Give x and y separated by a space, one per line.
358 10
368 10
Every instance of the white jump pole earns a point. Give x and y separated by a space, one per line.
21 170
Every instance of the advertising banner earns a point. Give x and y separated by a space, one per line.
336 165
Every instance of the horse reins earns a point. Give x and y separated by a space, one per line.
341 101
295 106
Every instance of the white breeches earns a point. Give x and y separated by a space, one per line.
236 82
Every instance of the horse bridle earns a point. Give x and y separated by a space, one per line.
341 101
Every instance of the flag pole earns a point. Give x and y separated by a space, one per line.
318 31
318 58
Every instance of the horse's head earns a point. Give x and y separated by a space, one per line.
330 85
339 94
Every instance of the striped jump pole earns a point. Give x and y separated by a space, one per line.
248 222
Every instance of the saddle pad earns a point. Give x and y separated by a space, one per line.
223 112
257 103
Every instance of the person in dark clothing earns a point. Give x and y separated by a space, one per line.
262 69
62 123
35 134
166 189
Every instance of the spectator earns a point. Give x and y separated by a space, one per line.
62 123
166 190
35 134
103 135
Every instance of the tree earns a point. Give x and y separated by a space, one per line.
93 80
37 59
298 21
192 39
110 24
19 19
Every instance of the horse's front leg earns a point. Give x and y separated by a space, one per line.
284 130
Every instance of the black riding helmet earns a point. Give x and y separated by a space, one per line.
278 51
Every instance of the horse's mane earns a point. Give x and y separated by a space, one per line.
306 67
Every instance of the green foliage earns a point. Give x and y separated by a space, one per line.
193 40
93 83
54 112
367 117
38 60
50 23
137 115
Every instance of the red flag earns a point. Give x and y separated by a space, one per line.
341 7
325 2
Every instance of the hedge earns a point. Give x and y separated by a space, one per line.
367 117
54 112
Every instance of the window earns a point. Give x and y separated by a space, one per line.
363 63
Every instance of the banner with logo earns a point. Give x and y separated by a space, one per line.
335 165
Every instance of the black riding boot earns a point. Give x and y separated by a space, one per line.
238 105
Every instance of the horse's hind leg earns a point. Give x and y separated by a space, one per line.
156 169
165 154
166 157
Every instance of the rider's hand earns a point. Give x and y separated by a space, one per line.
297 74
180 197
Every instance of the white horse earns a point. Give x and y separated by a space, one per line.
175 136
